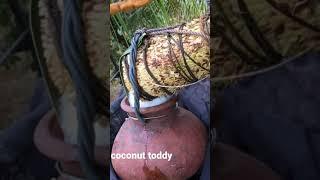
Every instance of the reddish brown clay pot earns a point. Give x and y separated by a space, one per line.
170 129
48 138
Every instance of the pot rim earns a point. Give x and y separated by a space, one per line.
125 105
49 140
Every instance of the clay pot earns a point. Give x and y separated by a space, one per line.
48 138
170 129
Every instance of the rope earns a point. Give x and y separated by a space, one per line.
236 34
256 34
73 58
180 86
255 73
177 65
274 4
155 32
132 74
149 71
130 64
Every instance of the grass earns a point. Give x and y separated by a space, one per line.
159 13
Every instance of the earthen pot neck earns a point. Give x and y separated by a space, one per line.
167 109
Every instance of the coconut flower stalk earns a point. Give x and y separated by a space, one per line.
168 59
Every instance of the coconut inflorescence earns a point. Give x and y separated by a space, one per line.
171 64
95 37
95 41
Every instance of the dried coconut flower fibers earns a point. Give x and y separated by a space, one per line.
161 61
51 14
168 58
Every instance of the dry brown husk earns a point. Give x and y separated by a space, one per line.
159 63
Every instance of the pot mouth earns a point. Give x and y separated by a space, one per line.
125 105
49 140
